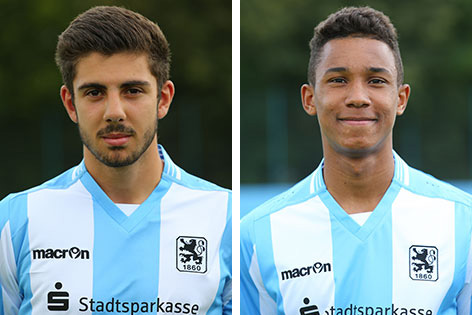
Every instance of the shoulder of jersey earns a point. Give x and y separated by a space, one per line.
64 180
176 174
61 181
296 194
429 186
193 182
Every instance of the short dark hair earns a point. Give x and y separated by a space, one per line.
355 22
109 30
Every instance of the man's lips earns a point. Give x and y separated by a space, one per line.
116 139
357 121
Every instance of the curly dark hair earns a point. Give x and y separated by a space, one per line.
354 22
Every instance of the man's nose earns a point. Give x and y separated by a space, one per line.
114 108
358 95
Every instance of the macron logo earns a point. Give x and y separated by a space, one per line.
316 268
52 253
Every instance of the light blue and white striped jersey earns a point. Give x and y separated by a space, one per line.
66 248
301 253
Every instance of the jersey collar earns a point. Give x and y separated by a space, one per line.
170 168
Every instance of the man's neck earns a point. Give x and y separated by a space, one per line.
130 184
358 184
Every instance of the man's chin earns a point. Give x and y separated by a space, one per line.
358 152
117 158
116 148
116 163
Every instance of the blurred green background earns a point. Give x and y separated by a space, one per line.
280 143
38 139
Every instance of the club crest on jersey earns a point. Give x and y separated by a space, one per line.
424 263
191 254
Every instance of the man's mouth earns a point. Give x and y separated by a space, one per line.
116 139
357 121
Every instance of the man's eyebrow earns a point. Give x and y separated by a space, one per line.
123 85
134 83
91 85
336 69
378 70
344 69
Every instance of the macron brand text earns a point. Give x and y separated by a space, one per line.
316 268
54 253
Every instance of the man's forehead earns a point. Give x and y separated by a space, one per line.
112 69
342 52
355 55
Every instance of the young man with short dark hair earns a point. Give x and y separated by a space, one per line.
127 230
364 233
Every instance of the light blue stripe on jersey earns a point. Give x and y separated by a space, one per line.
353 245
225 266
21 248
265 255
138 258
462 239
249 295
3 221
1 299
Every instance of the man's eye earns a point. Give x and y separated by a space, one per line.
93 93
377 81
338 80
134 91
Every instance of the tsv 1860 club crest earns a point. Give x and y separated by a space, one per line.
192 254
424 263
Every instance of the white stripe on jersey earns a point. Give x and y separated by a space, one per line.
463 300
227 292
189 216
52 211
178 175
303 247
316 181
172 168
267 305
437 228
9 283
312 182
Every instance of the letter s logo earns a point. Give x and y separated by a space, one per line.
58 300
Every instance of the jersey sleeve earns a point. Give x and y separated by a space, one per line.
227 258
254 297
464 298
248 295
227 299
9 293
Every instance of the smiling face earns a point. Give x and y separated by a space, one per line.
115 105
356 96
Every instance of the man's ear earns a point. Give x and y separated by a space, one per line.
68 103
308 99
167 94
403 95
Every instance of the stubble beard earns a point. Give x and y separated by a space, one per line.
114 160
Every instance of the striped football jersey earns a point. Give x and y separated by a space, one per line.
301 253
66 248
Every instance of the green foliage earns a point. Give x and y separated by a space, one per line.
39 140
435 133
